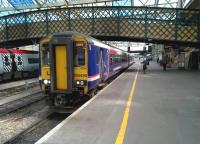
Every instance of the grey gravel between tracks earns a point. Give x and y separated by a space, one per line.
13 124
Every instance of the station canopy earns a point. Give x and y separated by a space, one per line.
16 6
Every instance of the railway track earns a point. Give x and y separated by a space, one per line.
14 123
8 89
35 132
20 103
39 129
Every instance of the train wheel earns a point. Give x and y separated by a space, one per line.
92 93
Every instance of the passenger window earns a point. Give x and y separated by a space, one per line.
33 60
79 56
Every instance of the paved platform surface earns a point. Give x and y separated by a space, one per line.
9 85
165 110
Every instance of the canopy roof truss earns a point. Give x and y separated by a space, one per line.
15 6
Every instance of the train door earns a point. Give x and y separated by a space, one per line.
106 63
13 63
12 56
61 65
101 64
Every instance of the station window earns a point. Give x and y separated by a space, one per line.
45 54
32 60
79 56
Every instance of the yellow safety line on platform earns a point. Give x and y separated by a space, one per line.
122 131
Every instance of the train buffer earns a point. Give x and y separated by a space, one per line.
153 108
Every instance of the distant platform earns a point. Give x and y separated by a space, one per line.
18 83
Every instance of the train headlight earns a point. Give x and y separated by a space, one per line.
80 83
46 82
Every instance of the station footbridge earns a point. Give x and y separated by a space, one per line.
130 23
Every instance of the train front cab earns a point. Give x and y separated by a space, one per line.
64 77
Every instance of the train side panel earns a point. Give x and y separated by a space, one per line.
5 64
104 63
26 63
6 61
31 62
93 66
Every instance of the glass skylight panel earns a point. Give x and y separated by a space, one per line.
186 2
4 3
18 3
122 3
152 3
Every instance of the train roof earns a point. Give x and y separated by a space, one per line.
3 50
16 51
90 39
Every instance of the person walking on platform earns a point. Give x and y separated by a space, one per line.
144 65
158 60
164 62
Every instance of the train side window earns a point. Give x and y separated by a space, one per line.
79 56
45 54
32 60
6 61
97 57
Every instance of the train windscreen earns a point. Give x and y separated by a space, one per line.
79 56
45 54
